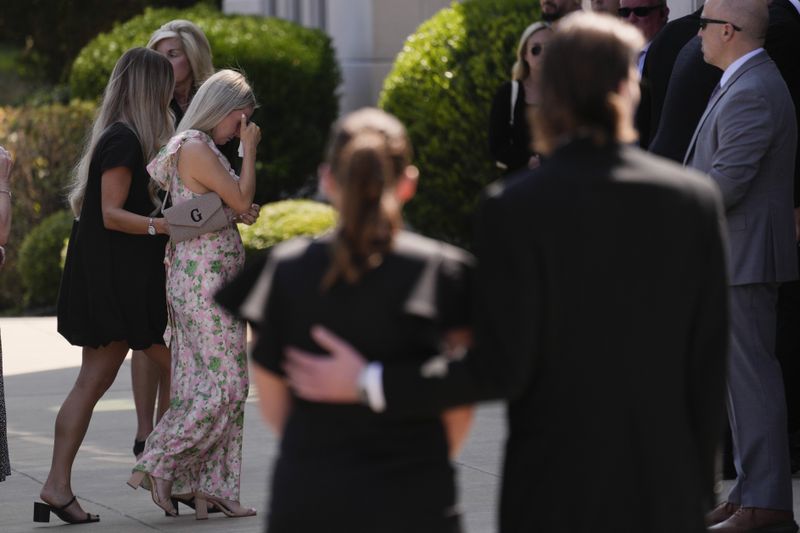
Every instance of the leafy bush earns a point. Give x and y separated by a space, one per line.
441 87
40 259
52 33
293 71
45 143
283 220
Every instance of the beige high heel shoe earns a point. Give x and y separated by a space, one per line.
227 507
164 502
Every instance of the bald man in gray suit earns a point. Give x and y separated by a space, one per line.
746 142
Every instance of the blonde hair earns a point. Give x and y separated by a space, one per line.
138 95
521 69
195 45
580 96
369 151
225 91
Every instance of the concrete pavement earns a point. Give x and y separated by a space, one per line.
40 368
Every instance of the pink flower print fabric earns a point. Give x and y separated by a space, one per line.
198 442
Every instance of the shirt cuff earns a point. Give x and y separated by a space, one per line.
371 384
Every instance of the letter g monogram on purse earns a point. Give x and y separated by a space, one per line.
202 214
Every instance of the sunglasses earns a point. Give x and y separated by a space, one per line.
641 11
536 49
705 22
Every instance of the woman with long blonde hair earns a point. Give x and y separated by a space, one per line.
186 47
112 290
195 451
510 135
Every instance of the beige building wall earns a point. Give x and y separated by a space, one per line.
367 35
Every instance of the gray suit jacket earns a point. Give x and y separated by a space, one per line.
745 142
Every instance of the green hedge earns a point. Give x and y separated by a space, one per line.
441 87
40 260
293 71
45 142
283 220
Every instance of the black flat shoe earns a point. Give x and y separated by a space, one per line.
41 513
138 447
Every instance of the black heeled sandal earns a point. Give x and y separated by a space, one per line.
138 447
41 513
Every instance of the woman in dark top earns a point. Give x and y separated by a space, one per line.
510 140
186 47
342 468
112 295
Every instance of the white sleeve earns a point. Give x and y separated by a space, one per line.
370 383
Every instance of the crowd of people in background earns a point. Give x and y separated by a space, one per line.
619 301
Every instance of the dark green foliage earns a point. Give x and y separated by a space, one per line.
284 220
293 71
441 87
40 260
52 32
45 142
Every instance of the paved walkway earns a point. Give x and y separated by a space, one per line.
40 368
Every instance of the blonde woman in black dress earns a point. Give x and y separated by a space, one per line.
112 296
340 467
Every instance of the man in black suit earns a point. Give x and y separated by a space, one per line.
650 17
783 46
553 10
601 315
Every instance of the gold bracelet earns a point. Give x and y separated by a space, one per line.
10 196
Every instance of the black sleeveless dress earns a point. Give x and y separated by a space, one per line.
113 285
343 467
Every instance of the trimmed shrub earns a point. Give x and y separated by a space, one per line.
45 143
40 259
283 220
293 71
441 87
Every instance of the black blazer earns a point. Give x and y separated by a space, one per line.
657 69
510 145
601 302
783 46
690 85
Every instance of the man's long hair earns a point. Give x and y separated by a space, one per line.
583 66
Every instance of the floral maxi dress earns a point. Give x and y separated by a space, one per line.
198 442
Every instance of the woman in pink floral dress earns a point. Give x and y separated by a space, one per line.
195 451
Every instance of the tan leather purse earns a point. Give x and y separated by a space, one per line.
195 217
